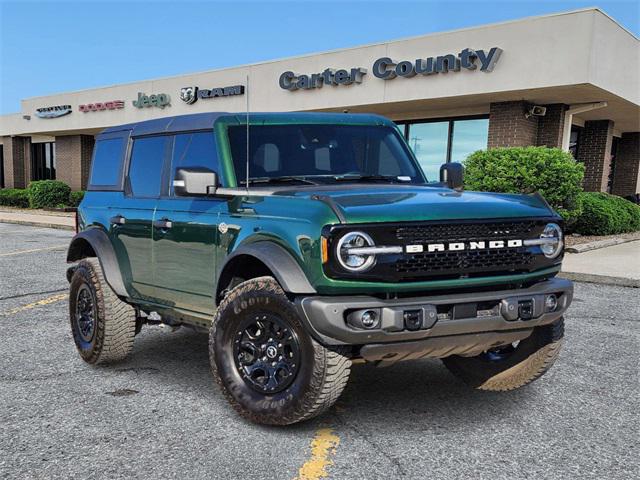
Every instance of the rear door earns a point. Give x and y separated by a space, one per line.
132 214
185 233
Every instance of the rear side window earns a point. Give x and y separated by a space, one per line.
145 167
107 163
193 150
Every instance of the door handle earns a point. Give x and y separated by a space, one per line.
164 224
117 220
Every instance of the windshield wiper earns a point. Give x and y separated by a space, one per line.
372 178
282 179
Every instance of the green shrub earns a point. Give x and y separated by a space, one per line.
14 197
604 214
48 194
75 198
550 171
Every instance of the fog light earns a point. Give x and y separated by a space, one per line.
369 319
550 303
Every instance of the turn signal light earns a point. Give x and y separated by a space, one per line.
324 249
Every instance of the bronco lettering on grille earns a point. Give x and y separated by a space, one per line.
457 246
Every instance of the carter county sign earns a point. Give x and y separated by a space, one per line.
53 112
387 69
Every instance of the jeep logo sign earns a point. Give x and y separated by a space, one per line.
160 100
457 246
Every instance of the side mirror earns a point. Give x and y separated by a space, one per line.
452 174
195 181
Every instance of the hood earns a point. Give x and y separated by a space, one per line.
405 203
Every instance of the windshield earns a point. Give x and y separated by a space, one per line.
322 153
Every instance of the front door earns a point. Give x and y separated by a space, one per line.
185 233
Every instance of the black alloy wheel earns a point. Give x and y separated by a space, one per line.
85 315
267 353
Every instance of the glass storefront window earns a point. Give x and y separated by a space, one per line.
43 161
468 137
437 142
429 142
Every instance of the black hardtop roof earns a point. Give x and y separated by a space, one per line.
203 121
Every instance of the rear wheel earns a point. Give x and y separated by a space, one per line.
103 326
511 366
270 369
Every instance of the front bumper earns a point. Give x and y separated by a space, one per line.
459 323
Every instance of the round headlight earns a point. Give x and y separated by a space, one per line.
355 262
553 247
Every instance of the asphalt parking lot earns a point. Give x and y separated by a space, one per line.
159 415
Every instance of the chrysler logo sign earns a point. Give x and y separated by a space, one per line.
53 112
189 95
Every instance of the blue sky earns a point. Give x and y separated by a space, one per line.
49 47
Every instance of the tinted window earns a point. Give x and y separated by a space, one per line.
468 137
145 169
193 150
320 151
107 162
429 143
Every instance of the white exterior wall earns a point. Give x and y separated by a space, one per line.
543 54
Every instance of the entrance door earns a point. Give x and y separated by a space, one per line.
185 233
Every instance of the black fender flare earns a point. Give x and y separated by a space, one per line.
285 268
101 245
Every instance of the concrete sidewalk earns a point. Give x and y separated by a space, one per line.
57 220
615 265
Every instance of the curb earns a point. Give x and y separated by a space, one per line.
57 226
585 247
600 279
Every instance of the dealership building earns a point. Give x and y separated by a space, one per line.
568 80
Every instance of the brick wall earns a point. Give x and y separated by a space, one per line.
595 152
73 160
17 154
508 126
626 177
550 126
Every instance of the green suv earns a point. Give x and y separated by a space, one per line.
302 242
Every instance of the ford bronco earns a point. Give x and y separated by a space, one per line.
302 242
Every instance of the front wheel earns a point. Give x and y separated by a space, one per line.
270 369
511 366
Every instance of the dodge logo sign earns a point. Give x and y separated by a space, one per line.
189 94
95 107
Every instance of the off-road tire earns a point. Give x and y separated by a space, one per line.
533 357
115 320
323 372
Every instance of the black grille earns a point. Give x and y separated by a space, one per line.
464 262
462 232
448 264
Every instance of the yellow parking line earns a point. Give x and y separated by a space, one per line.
323 447
39 303
32 250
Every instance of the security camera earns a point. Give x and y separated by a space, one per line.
536 111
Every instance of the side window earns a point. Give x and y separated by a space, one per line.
145 168
106 166
193 150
